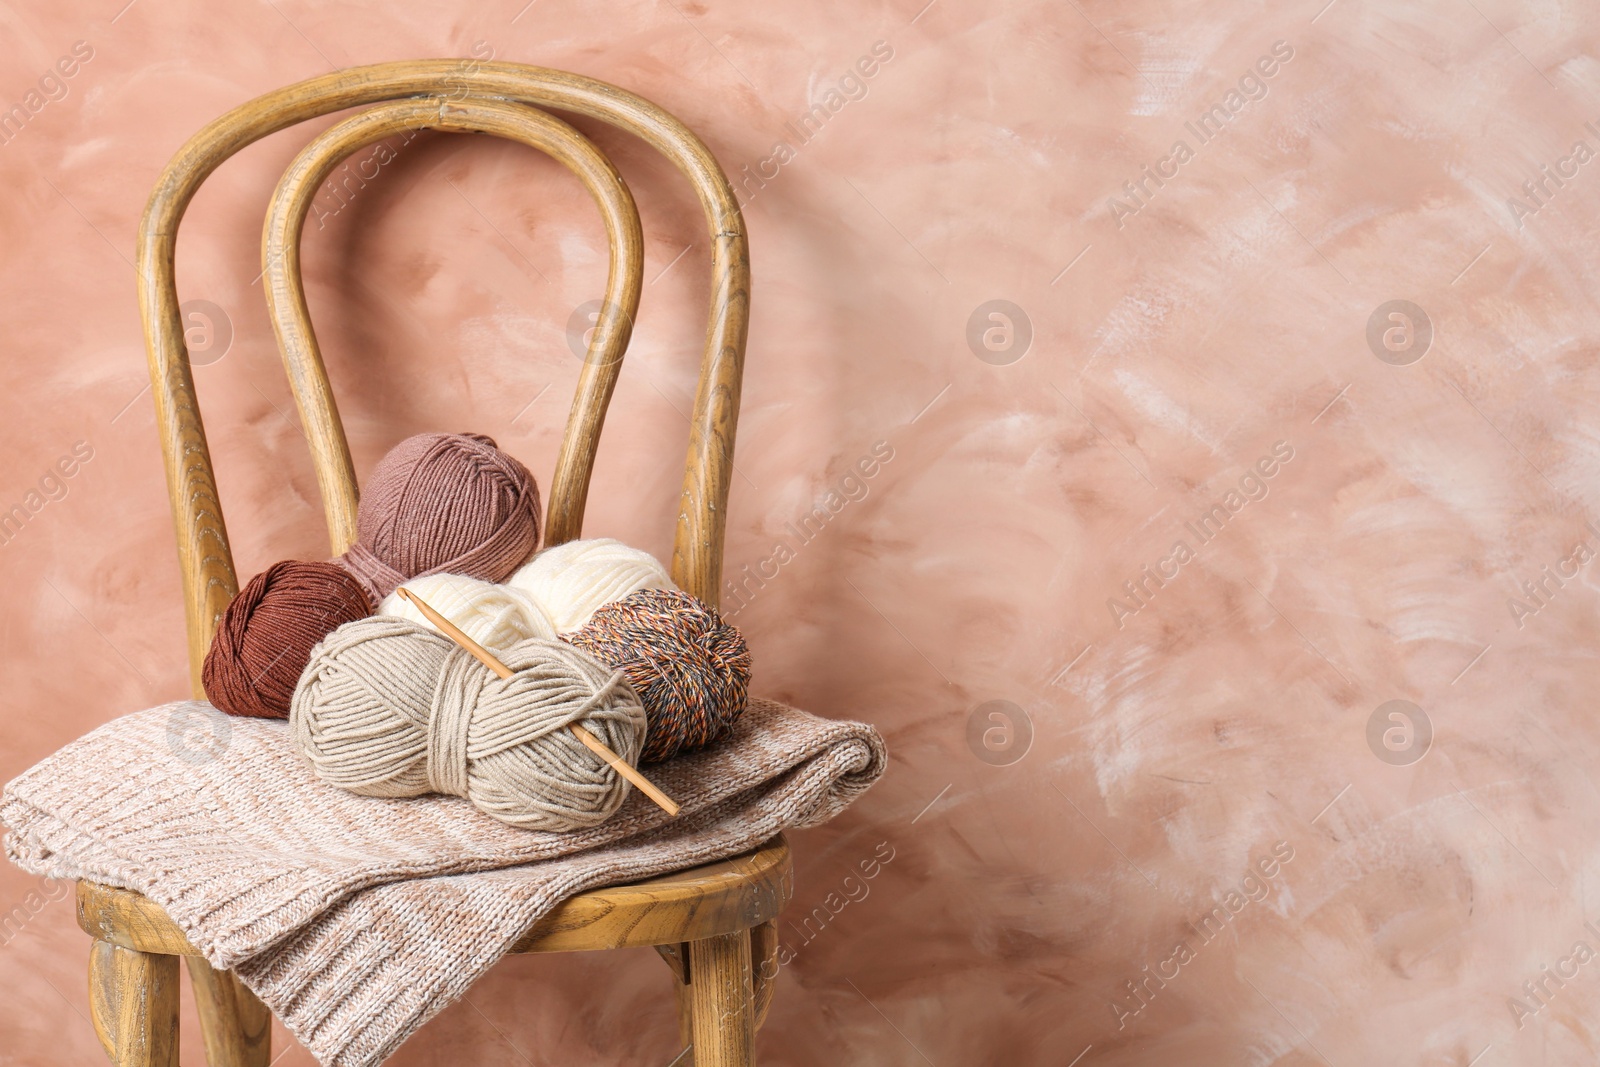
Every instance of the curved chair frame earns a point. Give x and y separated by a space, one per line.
205 557
713 925
302 358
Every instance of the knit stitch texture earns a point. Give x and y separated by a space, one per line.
356 919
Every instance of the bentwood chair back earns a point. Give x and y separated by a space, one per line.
714 926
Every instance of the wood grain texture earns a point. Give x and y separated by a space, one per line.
724 1005
291 318
763 976
236 1026
206 561
764 966
724 897
718 898
130 920
676 957
683 1001
133 1001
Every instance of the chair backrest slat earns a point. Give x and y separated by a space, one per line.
206 560
302 358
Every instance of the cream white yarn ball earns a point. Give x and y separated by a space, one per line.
495 616
573 581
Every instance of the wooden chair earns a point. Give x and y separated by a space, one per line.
714 926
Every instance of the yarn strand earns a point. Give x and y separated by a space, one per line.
388 707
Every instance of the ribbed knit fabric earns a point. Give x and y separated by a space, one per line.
330 906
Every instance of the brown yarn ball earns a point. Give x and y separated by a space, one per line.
443 503
690 669
267 633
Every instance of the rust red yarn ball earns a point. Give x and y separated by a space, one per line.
267 633
444 503
690 668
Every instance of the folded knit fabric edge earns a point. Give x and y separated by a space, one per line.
326 903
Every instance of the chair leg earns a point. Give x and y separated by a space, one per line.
685 999
723 994
676 957
133 999
764 965
236 1025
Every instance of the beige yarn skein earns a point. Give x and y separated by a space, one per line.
390 708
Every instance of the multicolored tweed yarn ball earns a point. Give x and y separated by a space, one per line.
690 669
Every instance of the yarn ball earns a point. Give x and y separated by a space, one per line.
691 669
443 503
268 631
495 616
573 580
390 708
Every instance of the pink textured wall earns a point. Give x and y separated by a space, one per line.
1207 736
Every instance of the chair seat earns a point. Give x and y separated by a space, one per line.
719 898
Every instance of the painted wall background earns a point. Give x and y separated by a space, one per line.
1196 775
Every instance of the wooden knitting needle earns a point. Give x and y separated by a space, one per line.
593 743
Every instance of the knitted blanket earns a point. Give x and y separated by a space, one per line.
356 919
